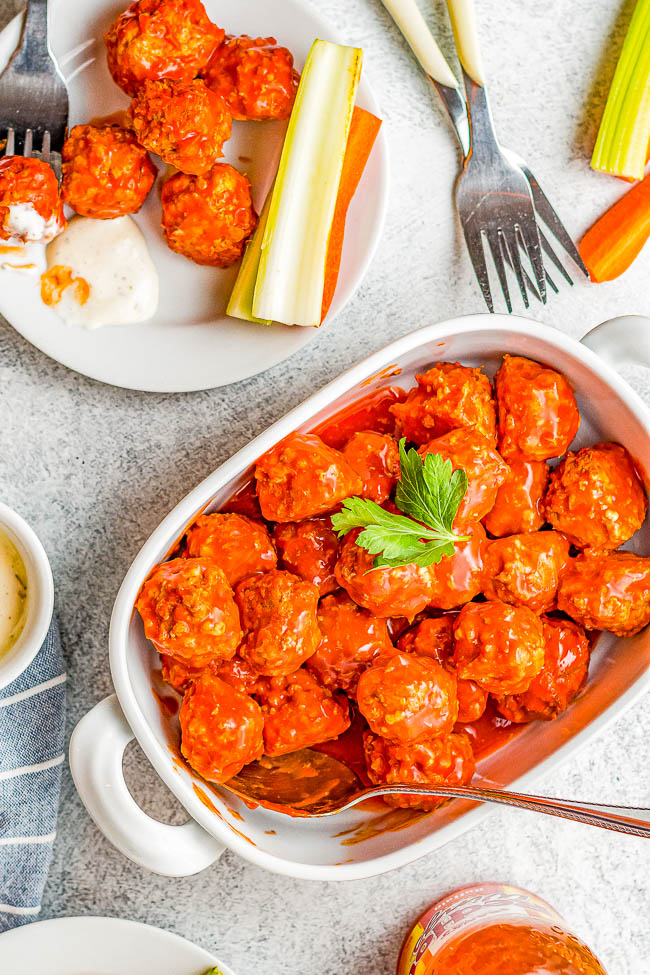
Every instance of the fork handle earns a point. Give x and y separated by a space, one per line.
33 55
413 26
465 25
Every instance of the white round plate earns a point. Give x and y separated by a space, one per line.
100 946
191 343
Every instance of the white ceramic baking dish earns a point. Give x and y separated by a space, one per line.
357 843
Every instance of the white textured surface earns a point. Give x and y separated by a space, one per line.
95 468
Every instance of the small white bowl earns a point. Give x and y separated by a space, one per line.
40 595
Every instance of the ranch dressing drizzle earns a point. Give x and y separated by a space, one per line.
102 274
13 592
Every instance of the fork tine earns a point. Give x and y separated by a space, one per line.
531 238
556 260
509 240
29 142
546 211
11 142
529 284
494 242
474 243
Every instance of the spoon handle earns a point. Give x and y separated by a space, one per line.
621 819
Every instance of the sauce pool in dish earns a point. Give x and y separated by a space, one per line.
13 594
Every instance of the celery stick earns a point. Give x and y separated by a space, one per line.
291 273
622 143
241 299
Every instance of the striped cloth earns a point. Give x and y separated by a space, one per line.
32 716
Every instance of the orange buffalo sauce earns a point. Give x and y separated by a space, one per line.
473 931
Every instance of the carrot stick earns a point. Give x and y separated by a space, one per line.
361 138
615 240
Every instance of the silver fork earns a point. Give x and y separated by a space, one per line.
33 95
511 185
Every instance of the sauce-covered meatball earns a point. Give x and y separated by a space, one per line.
607 591
299 712
183 122
564 674
485 469
518 507
538 414
401 591
435 638
238 673
254 76
406 697
596 498
309 549
189 613
178 674
501 647
525 569
302 477
458 578
278 616
221 728
236 544
447 396
441 761
208 219
375 458
106 173
155 39
351 638
30 206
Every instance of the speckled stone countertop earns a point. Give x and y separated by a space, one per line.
95 468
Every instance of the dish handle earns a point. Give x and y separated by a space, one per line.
96 751
623 341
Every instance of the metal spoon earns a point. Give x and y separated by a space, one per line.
311 784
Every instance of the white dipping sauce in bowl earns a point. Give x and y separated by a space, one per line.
13 593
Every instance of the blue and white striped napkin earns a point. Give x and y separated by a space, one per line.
32 717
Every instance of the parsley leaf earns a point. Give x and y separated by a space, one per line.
429 493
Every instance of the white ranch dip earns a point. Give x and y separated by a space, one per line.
119 282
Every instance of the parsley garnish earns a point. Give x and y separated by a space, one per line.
429 493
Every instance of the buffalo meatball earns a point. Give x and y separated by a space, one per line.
607 591
351 638
106 173
375 458
238 674
445 761
404 590
221 728
525 569
406 697
255 78
208 219
447 396
435 638
189 612
302 477
538 414
30 206
501 647
178 674
183 122
485 469
299 712
310 550
564 674
155 39
236 544
518 507
596 498
278 616
458 578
